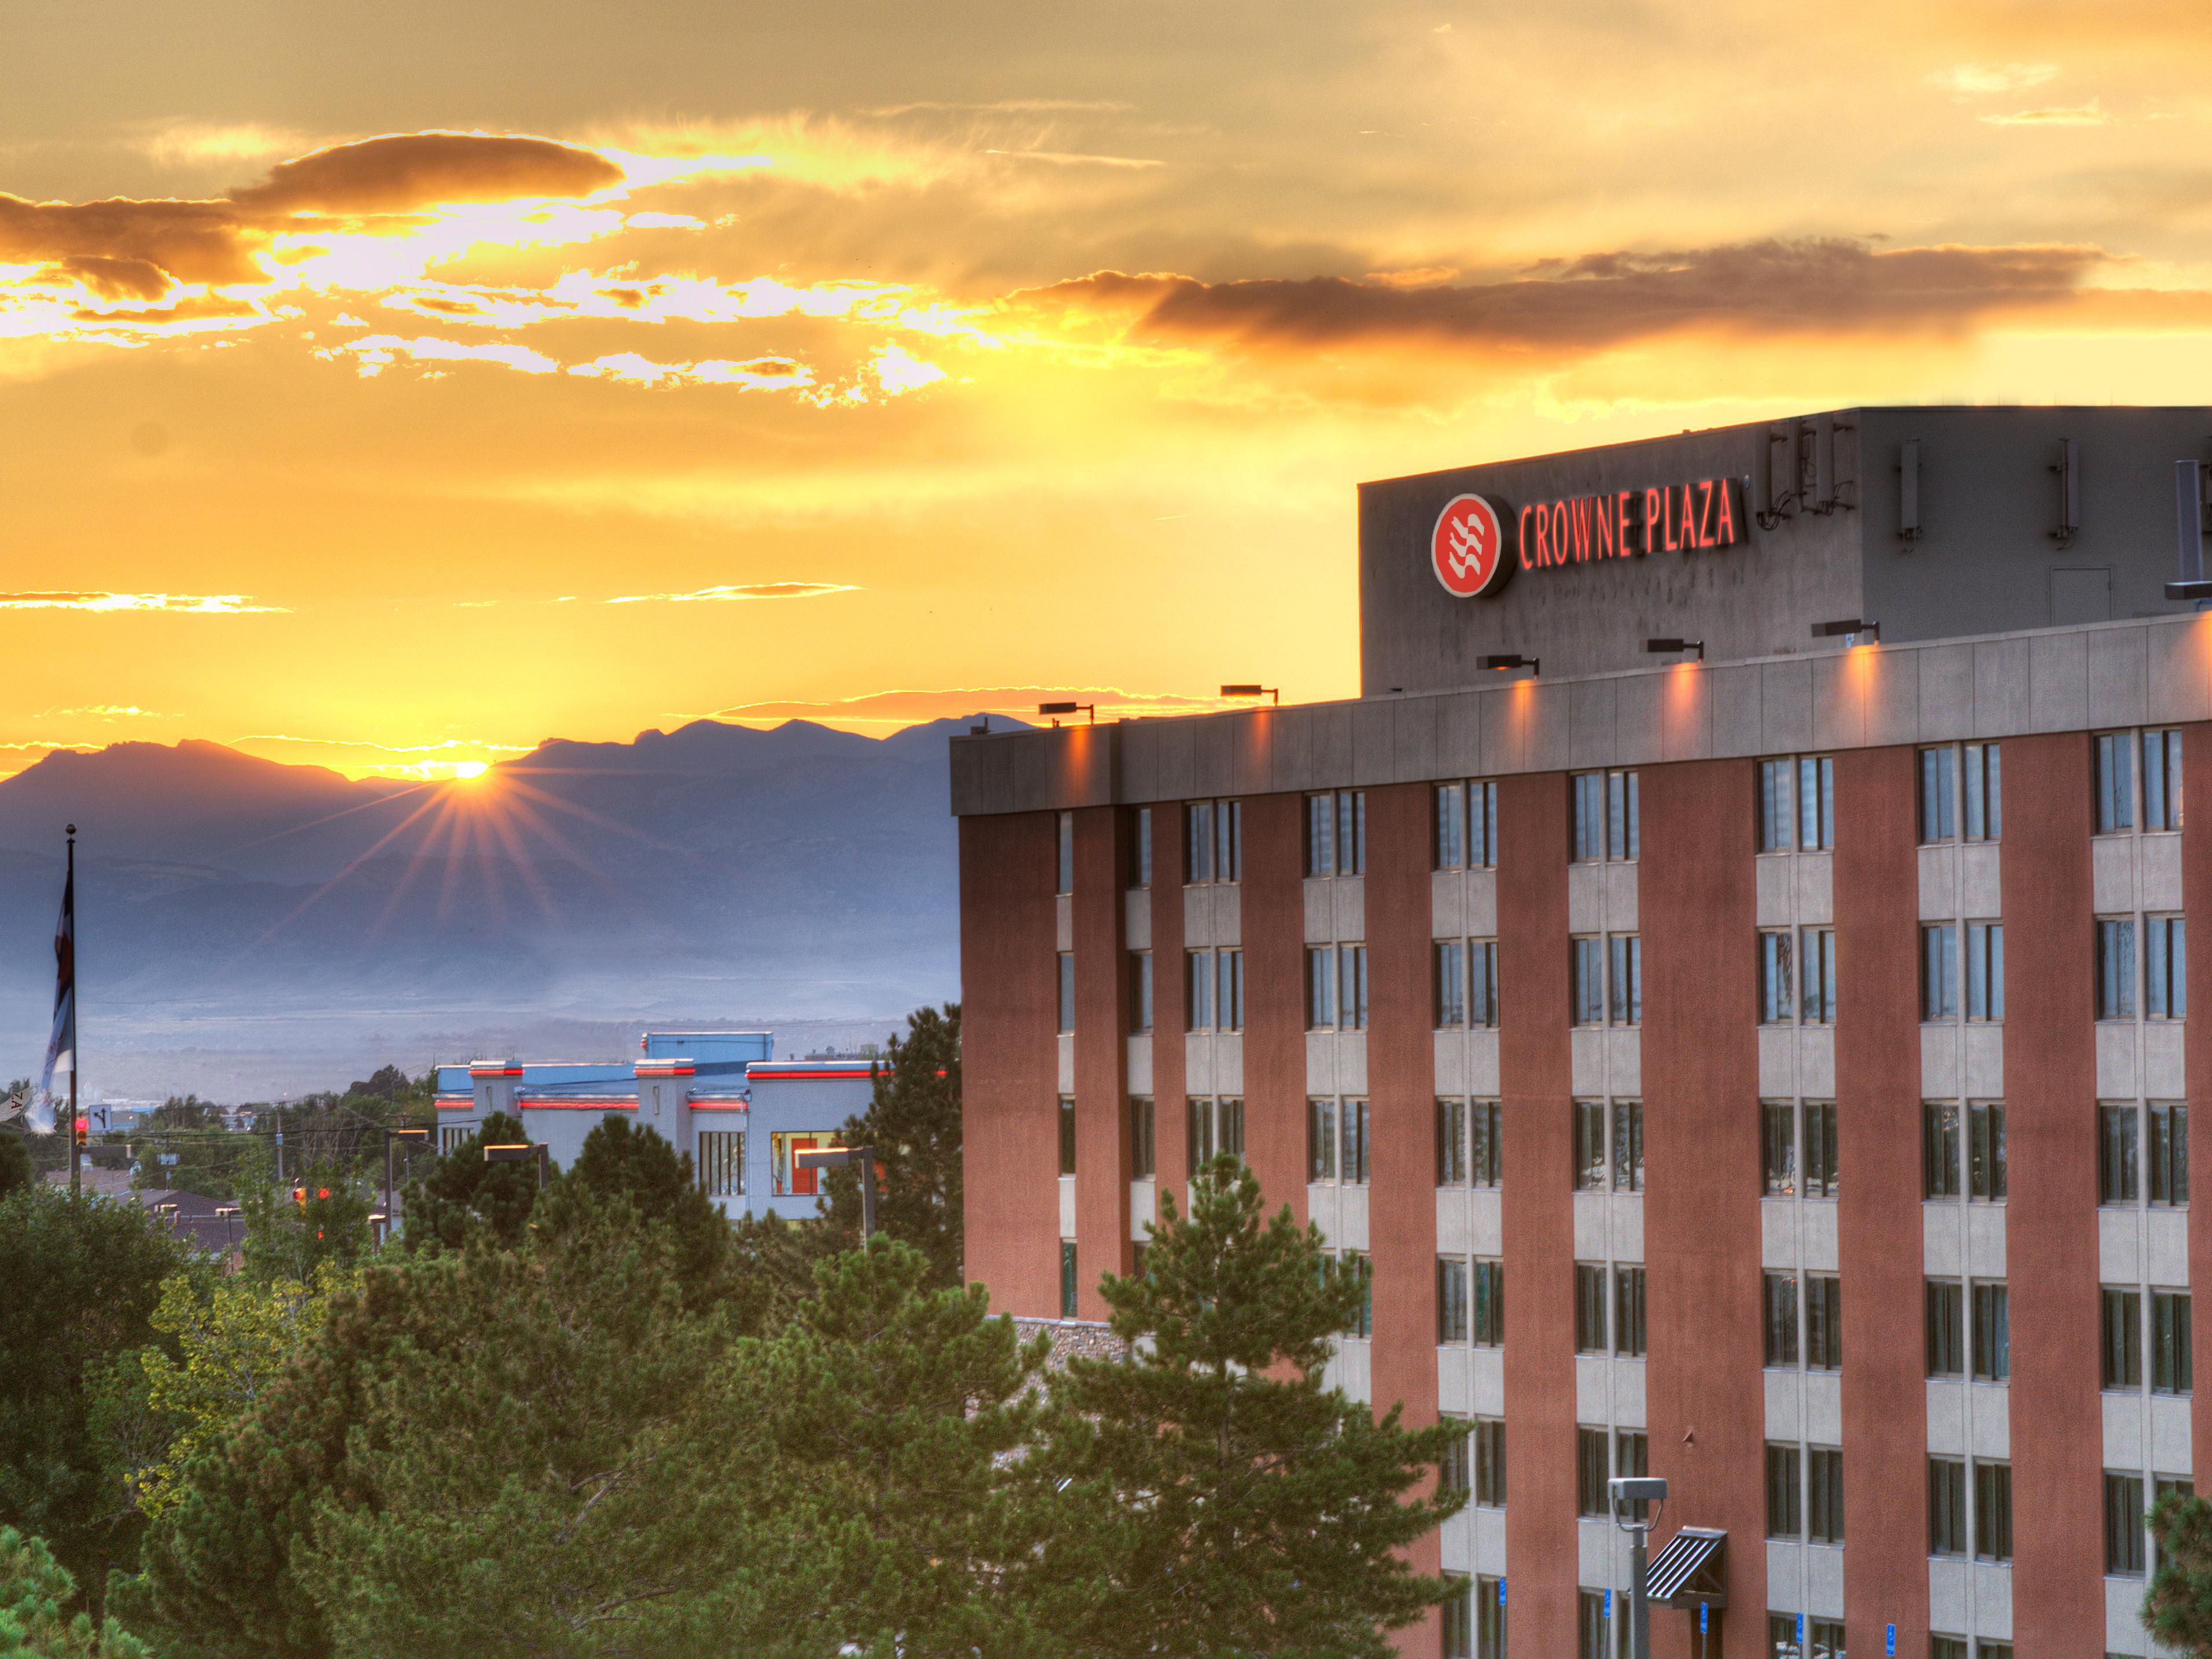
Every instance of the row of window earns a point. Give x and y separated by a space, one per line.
2137 782
1804 1493
719 1159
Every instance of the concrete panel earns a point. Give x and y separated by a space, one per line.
2163 1050
1591 723
1839 696
1586 898
1229 1063
1983 1048
1892 699
1824 1580
2170 1451
1332 759
1455 1382
1548 726
1290 734
1451 1062
1486 1221
1500 719
1413 741
1939 883
1785 707
1138 1062
1175 760
2116 1060
1816 1235
1452 1236
1816 889
1197 914
1228 914
1785 1576
1946 1597
1320 911
1325 1210
1593 1395
2117 663
1943 1239
1630 1394
1737 726
1981 876
1947 692
2125 1425
1352 1064
1591 1227
2112 867
1777 1234
1320 1063
1490 1542
2119 1244
1816 1062
2059 682
1374 741
1215 768
1777 1061
1586 1052
1067 1207
2179 670
2003 707
1946 1419
1985 1240
1482 903
1352 1216
1624 1227
1686 723
1350 899
1940 1069
1455 1541
1990 1423
1447 904
1143 1200
1824 1408
1777 890
1637 728
2158 872
2124 1630
1459 736
1067 1074
1137 918
1624 1063
1064 919
1486 1369
1482 1064
2166 1247
1620 907
1140 760
1784 1399
1198 1067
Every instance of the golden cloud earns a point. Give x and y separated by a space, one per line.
205 604
745 590
398 172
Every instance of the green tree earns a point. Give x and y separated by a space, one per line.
293 1229
621 1164
913 1121
462 1195
35 1623
15 1163
82 1278
1222 1500
2178 1609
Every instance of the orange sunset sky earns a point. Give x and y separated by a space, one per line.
392 386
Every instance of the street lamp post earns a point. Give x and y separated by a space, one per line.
521 1152
836 1157
1628 1491
391 1135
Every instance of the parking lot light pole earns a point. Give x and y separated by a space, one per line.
1627 1491
522 1152
391 1135
836 1157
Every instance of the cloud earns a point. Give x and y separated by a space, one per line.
1071 158
1008 106
761 374
206 604
106 276
1595 301
2091 114
101 711
746 591
898 370
399 172
371 353
910 705
1971 80
192 241
196 144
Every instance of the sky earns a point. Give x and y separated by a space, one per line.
391 387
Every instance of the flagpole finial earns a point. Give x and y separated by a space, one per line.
71 828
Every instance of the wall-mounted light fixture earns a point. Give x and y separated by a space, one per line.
1089 708
1502 660
1671 647
1851 628
1270 691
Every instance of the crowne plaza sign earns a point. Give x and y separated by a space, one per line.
1479 541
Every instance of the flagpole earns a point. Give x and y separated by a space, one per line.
76 1156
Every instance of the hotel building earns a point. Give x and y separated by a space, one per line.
1759 1061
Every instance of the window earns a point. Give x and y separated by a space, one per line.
1589 1307
1066 991
2168 1145
1939 972
1947 1328
1824 1322
1824 1508
1938 795
1456 1472
1992 1305
1489 1462
1353 1166
1198 991
1779 1294
1985 1151
1586 961
1140 847
1336 833
1632 1460
2125 1544
1486 1144
1229 990
1627 1146
1985 793
1212 1127
1452 1303
1067 1135
2165 968
2120 1337
1067 1281
1625 979
1458 1617
1144 1160
2161 780
1774 978
1628 1329
1992 1511
1448 978
1212 841
1816 804
1816 975
1605 815
1939 1150
1784 1516
1589 1145
2170 1359
1229 1116
1321 987
1363 1322
1447 828
1489 1317
1821 1149
2116 968
786 1181
1482 983
1777 823
1948 1647
2115 784
1065 881
1590 1621
2117 1176
1352 987
1591 1498
1946 1506
1466 826
722 1162
1490 1618
1777 1138
1321 1140
1141 992
1985 971
1451 1143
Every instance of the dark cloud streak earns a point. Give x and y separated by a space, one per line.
403 171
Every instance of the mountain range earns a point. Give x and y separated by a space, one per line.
798 873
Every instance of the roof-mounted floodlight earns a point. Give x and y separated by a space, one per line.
1268 692
1853 627
1089 708
1670 647
1513 660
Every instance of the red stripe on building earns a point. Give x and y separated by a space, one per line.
1536 1087
2050 1218
1704 1390
1102 1003
1876 887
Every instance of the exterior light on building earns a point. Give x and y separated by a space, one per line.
1630 1493
1514 659
1089 708
1671 647
522 1153
1852 629
1271 692
836 1157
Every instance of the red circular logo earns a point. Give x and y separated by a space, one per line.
1468 547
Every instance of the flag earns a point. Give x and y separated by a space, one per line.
61 1047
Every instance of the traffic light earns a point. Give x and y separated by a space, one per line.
82 1139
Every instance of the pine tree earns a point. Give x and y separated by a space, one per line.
913 1121
35 1592
462 1195
2178 1609
1211 1496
